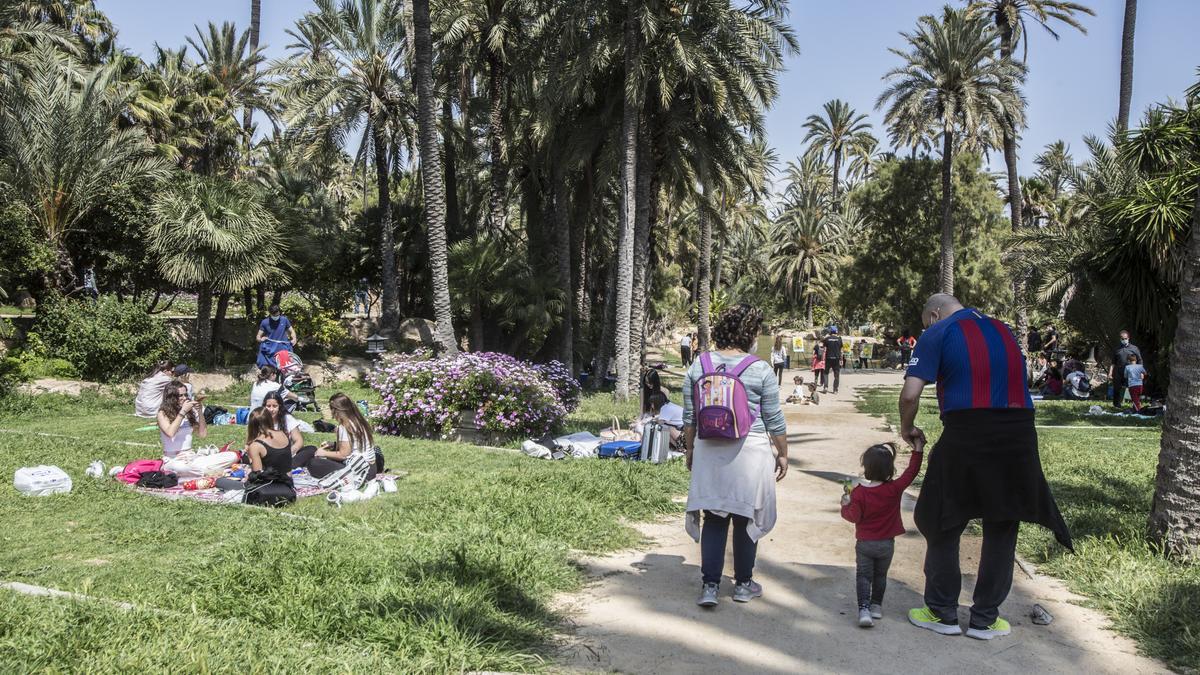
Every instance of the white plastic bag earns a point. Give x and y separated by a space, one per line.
42 480
535 450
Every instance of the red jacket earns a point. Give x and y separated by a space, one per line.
875 511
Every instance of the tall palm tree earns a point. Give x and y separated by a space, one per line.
1126 94
630 112
233 63
213 234
841 130
357 85
64 147
255 27
431 177
1010 18
1050 163
804 247
952 79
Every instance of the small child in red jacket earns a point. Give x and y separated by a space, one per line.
874 508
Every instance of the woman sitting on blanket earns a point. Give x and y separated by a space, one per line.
179 419
268 448
294 428
354 437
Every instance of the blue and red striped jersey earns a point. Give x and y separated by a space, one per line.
975 361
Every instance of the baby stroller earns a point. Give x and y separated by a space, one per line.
296 381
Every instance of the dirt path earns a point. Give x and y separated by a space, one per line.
639 614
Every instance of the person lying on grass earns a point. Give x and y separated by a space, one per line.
354 437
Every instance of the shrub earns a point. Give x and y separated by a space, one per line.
565 385
315 326
506 396
105 341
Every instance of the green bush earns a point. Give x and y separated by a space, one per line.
316 327
104 341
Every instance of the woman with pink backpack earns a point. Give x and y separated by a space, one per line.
736 446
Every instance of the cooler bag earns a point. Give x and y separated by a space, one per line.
619 449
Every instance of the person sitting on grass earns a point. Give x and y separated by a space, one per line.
268 382
150 390
179 418
1053 387
874 508
354 437
662 410
1135 379
269 482
286 422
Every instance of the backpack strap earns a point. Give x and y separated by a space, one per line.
706 364
742 366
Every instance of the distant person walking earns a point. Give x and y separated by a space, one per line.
685 349
733 478
89 283
779 357
1116 371
1050 341
1135 377
985 465
907 343
833 360
362 297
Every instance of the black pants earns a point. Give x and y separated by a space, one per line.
862 363
1118 385
834 367
779 372
905 356
685 355
712 548
319 467
943 576
871 562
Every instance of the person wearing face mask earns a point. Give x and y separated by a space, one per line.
1117 374
275 334
985 465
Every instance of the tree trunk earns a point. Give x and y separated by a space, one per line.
498 172
808 303
704 300
476 338
625 239
946 276
255 22
431 177
641 259
247 303
203 331
276 296
607 329
454 225
1126 65
218 331
716 284
837 169
261 298
562 247
579 253
390 298
1175 513
1015 200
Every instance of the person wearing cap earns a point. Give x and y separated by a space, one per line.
833 360
184 375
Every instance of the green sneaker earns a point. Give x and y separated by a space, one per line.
923 617
999 628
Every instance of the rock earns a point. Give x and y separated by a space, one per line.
25 300
416 331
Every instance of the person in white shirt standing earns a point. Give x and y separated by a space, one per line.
685 349
779 357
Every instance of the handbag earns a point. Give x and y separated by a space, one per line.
616 433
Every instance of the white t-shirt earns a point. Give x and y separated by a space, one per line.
779 356
672 414
685 341
259 393
150 395
181 442
355 449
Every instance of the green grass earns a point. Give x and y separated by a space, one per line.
1103 480
454 572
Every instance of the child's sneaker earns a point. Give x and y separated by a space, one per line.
876 611
923 617
864 618
999 628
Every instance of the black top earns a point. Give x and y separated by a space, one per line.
833 347
1035 341
1121 359
279 459
1050 341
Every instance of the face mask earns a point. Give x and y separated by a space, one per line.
275 316
1124 342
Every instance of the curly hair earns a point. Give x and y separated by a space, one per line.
738 328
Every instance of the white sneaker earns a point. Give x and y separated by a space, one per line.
864 618
708 595
876 611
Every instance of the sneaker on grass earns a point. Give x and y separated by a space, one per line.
923 617
708 595
999 628
745 592
864 618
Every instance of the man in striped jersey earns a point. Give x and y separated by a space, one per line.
985 465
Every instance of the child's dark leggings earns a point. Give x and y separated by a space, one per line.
872 560
713 537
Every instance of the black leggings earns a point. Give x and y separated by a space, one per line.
779 372
319 467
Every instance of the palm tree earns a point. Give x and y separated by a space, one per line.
431 177
1010 18
60 171
1126 64
842 130
952 79
255 25
1050 163
213 234
630 111
863 160
233 63
357 84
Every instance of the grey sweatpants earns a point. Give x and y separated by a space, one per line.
872 560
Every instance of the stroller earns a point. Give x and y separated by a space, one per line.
296 381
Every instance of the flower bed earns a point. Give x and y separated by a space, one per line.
495 394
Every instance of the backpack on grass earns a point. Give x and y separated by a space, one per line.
722 408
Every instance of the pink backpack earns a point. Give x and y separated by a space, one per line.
134 470
722 408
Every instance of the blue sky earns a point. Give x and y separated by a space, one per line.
1071 89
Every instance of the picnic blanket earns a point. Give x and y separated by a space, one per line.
215 496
